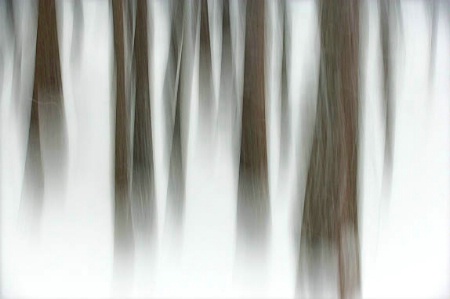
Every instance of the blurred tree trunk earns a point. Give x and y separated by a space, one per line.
253 207
386 55
143 187
182 51
47 122
123 231
176 183
205 72
285 114
330 208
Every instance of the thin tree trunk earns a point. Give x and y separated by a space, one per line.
205 72
176 183
143 187
285 116
253 208
330 208
386 54
123 231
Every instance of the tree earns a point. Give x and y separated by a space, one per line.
253 207
143 187
330 206
47 122
205 69
285 115
386 54
176 183
123 231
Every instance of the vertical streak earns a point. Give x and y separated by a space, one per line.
176 181
143 187
330 206
386 53
123 233
205 68
253 202
47 122
285 116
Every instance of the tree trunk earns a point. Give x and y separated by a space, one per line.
123 231
386 54
143 187
47 122
330 207
253 208
285 115
176 183
205 73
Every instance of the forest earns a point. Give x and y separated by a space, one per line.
224 148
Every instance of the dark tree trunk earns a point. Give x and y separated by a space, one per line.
143 187
330 207
253 208
123 231
47 122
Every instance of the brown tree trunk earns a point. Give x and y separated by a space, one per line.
123 231
47 122
253 208
330 207
143 187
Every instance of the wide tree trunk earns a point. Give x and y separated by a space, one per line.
330 224
47 122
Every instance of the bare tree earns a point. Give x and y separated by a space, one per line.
330 206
